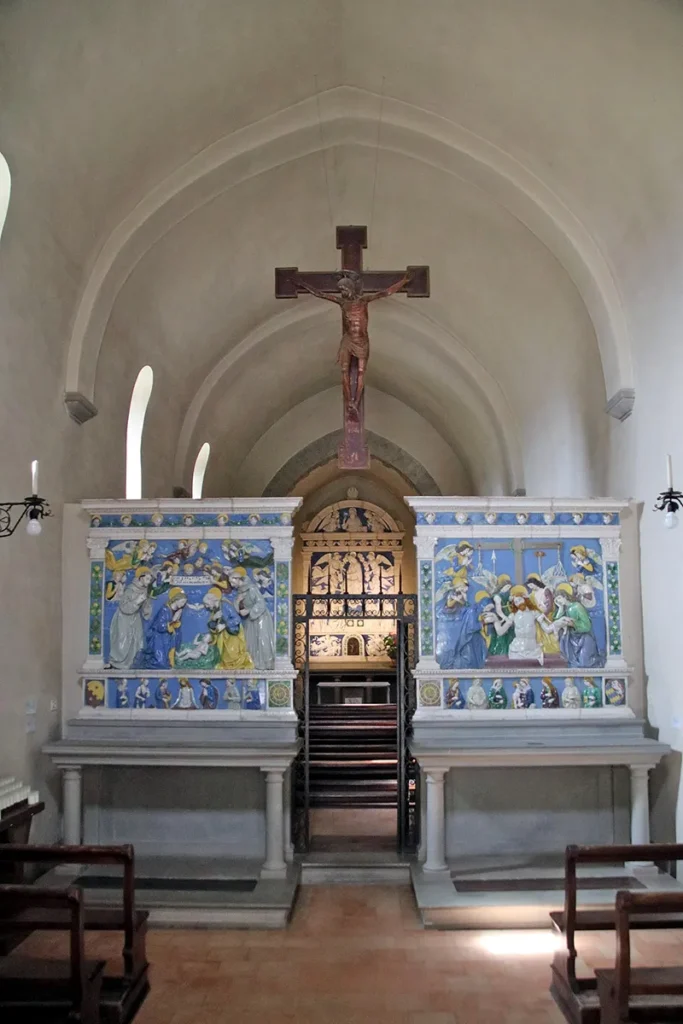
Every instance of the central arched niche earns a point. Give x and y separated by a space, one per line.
381 486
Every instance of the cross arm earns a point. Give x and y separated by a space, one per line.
290 282
415 286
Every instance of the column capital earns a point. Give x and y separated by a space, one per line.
96 548
282 548
273 774
640 771
610 546
435 776
425 543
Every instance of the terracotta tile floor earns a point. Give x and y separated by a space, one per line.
355 955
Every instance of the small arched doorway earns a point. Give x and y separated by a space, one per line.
355 788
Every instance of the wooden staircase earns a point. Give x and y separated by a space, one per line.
353 755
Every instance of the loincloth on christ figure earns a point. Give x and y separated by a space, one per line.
353 346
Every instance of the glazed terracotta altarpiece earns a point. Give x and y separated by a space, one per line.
351 547
189 607
520 606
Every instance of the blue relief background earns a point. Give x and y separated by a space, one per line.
519 602
189 605
184 693
545 692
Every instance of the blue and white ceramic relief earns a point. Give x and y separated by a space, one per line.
523 693
186 693
519 602
188 605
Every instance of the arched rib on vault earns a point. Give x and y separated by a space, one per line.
319 452
349 115
474 390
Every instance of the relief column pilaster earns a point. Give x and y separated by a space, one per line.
425 542
611 548
95 659
282 555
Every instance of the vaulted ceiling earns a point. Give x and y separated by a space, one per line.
175 153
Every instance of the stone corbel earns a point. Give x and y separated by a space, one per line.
80 408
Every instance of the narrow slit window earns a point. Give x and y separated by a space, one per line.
201 462
5 186
136 420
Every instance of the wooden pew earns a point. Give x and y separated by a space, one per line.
121 996
576 996
34 990
628 994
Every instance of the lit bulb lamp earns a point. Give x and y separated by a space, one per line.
33 510
670 502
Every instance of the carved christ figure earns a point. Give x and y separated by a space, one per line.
355 343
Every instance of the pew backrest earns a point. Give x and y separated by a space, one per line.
628 905
88 855
575 855
24 897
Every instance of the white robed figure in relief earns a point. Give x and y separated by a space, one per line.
126 632
259 631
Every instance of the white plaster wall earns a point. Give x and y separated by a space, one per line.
37 294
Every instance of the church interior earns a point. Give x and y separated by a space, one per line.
336 683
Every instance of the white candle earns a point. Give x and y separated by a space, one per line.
669 474
34 477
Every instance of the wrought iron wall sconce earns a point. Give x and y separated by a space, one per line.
670 500
33 509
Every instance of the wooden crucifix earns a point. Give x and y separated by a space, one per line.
352 288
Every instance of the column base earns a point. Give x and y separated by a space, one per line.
274 873
428 869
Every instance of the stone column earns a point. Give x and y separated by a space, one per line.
274 866
422 850
287 823
436 821
640 808
71 790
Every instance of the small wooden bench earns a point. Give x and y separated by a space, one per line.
576 996
32 990
629 994
121 996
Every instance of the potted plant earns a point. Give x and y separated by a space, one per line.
390 645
